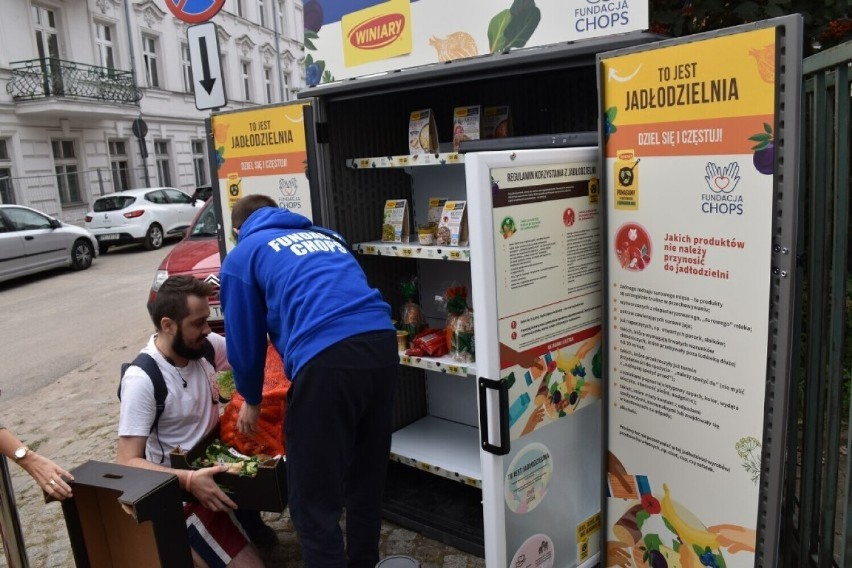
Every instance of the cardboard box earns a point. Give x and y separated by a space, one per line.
126 516
496 122
466 125
452 228
266 491
422 132
395 225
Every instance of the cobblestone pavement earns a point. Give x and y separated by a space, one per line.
74 420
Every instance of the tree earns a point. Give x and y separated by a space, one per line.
827 22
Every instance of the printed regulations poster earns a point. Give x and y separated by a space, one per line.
546 221
547 257
352 38
689 158
262 151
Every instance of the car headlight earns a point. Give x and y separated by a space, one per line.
159 278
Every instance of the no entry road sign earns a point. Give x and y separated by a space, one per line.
194 11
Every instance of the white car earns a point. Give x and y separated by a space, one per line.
31 241
147 216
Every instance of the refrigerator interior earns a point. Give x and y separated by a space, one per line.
434 480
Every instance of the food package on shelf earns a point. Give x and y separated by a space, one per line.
412 319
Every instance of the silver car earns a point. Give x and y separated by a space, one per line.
31 241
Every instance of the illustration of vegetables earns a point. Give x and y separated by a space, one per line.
764 150
315 71
609 122
748 448
513 27
597 364
313 16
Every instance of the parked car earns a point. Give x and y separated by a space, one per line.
31 241
203 192
147 216
197 254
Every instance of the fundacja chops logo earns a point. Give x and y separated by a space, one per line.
377 32
722 179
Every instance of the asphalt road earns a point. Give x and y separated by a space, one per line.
59 321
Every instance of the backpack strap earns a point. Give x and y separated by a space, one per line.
210 353
150 367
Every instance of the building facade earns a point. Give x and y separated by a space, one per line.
75 75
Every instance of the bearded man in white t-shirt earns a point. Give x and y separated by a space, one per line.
180 312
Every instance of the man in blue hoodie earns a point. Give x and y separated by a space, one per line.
300 285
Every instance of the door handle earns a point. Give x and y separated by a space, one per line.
502 388
29 238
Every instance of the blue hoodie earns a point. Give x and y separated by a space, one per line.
300 286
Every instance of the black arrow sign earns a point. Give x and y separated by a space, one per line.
206 81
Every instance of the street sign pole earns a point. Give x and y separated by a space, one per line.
140 130
208 85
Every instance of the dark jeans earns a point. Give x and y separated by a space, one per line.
338 429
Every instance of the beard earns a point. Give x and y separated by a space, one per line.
180 347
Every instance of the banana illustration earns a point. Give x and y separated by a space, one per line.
688 534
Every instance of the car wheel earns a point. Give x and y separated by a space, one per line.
103 249
82 254
154 237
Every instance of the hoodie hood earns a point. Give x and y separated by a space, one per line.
272 218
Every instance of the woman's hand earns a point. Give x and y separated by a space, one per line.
49 476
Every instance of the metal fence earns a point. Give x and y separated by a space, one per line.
817 508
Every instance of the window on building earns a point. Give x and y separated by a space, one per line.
46 33
7 192
103 39
261 13
149 55
119 164
186 67
267 83
281 18
286 94
245 75
241 9
161 156
47 47
199 162
67 172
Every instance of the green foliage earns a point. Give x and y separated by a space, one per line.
512 28
827 23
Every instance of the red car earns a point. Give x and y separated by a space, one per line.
198 255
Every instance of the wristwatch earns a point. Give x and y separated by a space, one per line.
21 453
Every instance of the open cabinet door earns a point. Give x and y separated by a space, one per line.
535 231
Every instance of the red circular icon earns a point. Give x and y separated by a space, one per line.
633 246
568 217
